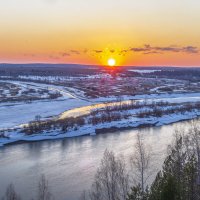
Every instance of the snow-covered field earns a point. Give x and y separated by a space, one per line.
171 98
15 113
144 71
18 92
53 79
73 103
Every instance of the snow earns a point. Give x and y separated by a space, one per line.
73 104
143 71
14 114
88 129
60 79
171 98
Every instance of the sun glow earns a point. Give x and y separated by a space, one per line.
111 62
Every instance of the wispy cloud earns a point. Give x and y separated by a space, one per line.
148 49
112 51
191 49
75 52
98 51
64 54
71 52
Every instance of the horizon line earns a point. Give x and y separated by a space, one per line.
93 65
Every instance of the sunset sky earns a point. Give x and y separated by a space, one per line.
133 32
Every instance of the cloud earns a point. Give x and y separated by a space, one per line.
191 49
72 52
141 49
75 52
85 51
152 52
148 49
98 51
64 54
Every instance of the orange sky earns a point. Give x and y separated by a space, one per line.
145 32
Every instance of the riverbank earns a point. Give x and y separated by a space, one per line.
131 123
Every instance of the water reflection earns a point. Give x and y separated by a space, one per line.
81 111
70 164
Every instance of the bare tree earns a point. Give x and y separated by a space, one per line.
120 100
111 180
43 189
192 145
140 162
37 118
11 194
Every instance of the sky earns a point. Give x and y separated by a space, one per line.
133 32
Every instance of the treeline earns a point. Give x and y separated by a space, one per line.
192 74
16 70
38 126
157 111
110 113
179 178
121 105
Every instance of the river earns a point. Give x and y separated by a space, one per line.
70 164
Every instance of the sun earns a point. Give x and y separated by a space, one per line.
111 62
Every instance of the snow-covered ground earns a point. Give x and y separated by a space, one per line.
133 122
74 103
18 91
60 79
171 98
144 71
13 114
63 90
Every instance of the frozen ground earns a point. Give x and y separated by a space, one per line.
13 114
74 103
88 129
19 92
144 71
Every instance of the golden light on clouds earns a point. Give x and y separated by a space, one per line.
111 55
